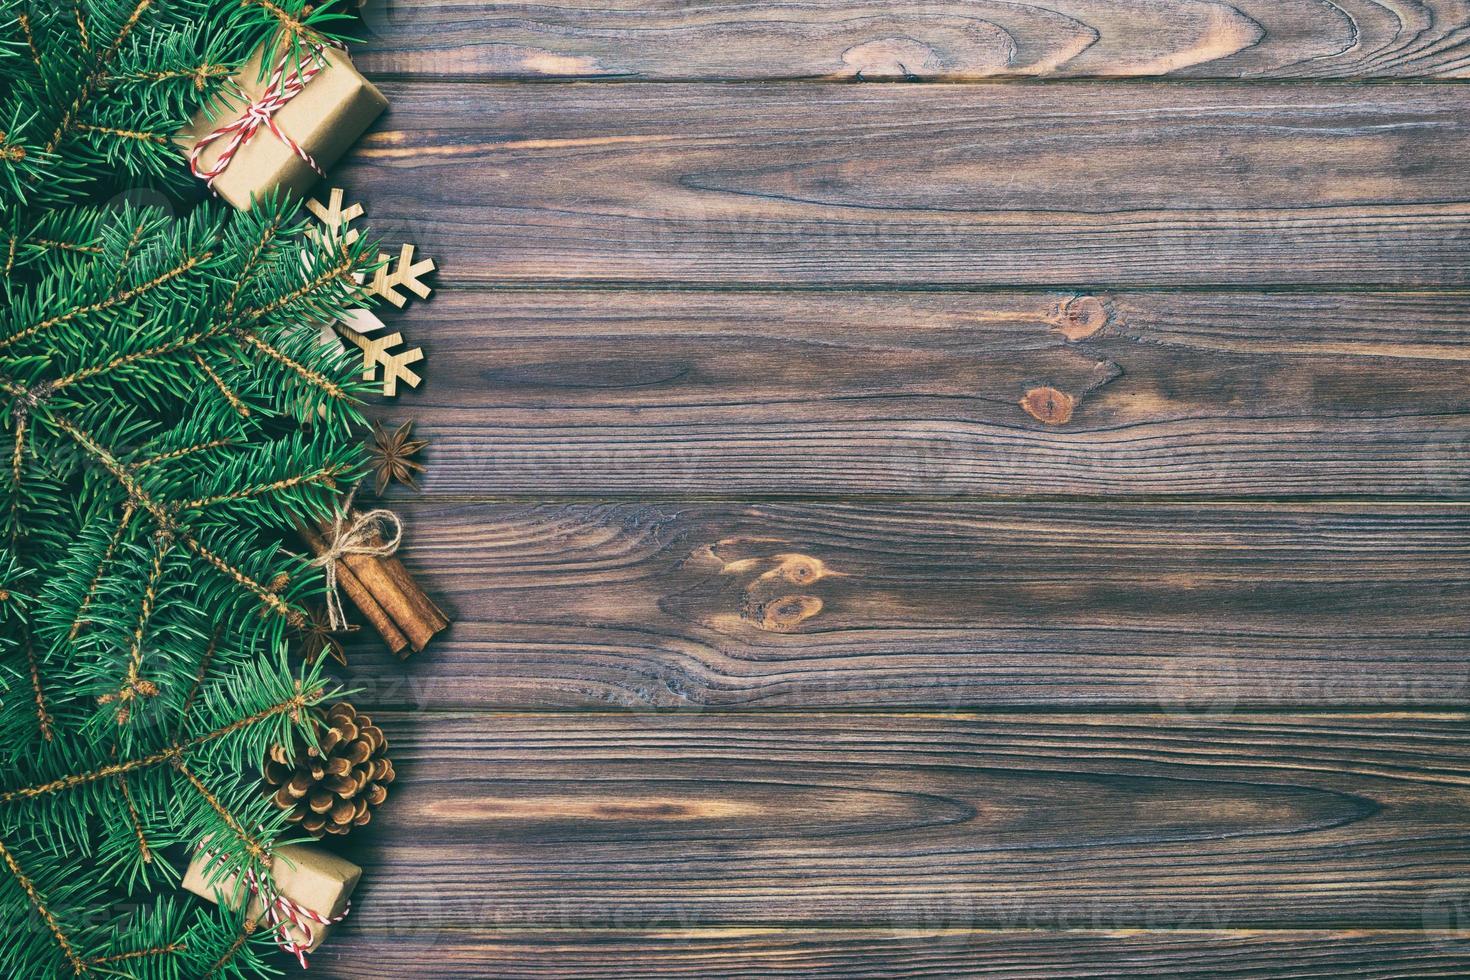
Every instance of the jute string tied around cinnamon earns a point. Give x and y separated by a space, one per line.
360 535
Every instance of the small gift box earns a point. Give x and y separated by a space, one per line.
296 120
308 893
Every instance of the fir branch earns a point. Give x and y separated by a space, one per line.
24 21
17 455
66 246
182 452
296 704
119 472
136 820
95 79
86 778
200 75
137 954
164 516
323 475
340 272
129 509
127 257
313 378
124 134
133 685
291 25
117 299
205 662
17 459
11 152
228 957
265 594
257 850
127 29
38 903
76 6
127 360
225 390
253 259
150 369
43 715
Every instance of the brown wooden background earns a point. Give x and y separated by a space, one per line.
929 488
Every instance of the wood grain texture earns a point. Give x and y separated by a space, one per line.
724 954
790 184
933 821
730 606
767 757
933 39
632 392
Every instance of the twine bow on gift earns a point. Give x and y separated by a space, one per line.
283 915
359 535
281 90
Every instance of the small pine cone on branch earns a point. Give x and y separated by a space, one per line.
331 789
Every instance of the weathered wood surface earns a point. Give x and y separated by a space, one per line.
756 954
636 392
684 605
946 821
672 308
933 39
1143 184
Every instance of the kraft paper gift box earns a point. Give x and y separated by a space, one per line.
310 877
333 109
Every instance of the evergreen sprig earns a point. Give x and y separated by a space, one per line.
94 90
167 415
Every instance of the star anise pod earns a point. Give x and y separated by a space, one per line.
318 637
391 454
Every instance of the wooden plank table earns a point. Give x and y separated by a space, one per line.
1011 522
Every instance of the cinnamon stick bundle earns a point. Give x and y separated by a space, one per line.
383 590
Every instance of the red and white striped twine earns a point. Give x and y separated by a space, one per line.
283 914
281 90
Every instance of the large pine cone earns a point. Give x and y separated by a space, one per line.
331 790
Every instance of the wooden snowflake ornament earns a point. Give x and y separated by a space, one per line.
334 217
360 326
395 366
406 272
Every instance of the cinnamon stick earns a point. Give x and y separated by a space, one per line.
361 595
395 591
427 610
426 618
